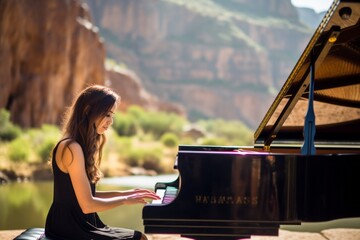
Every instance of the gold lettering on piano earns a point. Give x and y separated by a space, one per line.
226 200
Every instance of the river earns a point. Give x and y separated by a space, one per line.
25 205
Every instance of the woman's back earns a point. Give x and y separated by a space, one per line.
66 220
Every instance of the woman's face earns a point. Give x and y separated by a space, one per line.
103 123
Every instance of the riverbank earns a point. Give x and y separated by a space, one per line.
23 172
329 234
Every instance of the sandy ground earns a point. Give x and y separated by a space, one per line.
330 234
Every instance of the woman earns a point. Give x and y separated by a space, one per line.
75 162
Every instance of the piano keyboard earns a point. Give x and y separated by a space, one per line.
166 195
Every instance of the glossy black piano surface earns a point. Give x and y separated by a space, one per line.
224 192
237 194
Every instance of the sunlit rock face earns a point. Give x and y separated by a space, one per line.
219 59
129 86
49 50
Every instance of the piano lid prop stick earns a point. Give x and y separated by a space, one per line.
308 147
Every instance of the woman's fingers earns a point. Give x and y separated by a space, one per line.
145 193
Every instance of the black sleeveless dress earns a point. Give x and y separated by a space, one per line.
66 220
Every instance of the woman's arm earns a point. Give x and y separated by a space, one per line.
74 163
109 194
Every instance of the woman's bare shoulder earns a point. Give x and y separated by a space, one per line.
69 149
70 144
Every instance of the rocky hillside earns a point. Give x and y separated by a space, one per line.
216 58
129 86
309 17
49 51
208 58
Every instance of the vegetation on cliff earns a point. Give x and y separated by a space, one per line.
140 142
223 17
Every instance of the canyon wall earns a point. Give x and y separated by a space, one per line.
205 59
219 59
49 51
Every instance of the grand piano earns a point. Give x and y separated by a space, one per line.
305 162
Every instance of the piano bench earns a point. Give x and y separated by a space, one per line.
32 234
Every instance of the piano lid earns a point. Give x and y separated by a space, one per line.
335 46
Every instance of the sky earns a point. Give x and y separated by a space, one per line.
317 5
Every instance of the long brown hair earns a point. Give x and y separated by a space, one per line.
92 103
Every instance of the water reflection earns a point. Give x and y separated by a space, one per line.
25 205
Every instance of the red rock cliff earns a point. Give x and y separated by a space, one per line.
49 50
221 59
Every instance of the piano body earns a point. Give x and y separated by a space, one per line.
305 162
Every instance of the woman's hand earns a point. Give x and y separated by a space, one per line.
135 196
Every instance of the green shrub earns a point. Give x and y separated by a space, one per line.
46 132
8 131
169 139
214 141
152 160
158 123
133 158
43 140
4 117
45 150
19 150
234 132
147 158
124 124
136 121
136 111
115 143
